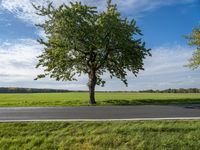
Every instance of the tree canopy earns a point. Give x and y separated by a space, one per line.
81 40
194 39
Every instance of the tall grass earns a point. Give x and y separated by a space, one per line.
153 135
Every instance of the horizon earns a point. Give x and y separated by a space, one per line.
163 23
68 90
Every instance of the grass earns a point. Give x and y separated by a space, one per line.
148 135
81 99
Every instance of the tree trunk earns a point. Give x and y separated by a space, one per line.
91 85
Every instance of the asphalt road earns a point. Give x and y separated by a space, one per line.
99 112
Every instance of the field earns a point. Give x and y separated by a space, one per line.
81 99
139 135
122 135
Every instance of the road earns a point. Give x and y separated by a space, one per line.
145 112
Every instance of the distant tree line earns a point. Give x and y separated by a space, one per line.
181 90
29 90
33 90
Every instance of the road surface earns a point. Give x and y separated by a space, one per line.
145 112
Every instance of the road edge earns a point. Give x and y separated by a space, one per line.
102 120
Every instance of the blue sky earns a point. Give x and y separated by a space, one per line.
163 23
170 23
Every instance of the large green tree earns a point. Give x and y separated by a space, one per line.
194 40
81 40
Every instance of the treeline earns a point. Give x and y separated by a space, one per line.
33 90
181 90
29 90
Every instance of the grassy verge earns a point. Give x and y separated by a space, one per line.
101 135
81 99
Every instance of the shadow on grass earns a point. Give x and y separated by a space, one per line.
156 129
150 101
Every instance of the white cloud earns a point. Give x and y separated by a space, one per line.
18 58
167 60
23 8
17 66
164 70
136 7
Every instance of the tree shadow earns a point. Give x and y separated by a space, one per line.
150 101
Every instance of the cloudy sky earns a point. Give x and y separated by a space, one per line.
163 23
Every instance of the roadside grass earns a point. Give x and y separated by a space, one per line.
81 99
123 135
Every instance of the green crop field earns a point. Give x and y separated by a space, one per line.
139 135
81 99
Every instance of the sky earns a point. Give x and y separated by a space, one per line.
163 23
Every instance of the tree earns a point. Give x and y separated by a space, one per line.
81 40
194 39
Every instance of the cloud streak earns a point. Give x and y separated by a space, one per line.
23 9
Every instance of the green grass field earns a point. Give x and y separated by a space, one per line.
152 135
81 99
122 135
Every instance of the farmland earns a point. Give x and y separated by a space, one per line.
81 99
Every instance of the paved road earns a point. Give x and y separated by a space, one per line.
99 112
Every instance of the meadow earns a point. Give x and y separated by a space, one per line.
81 99
122 135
